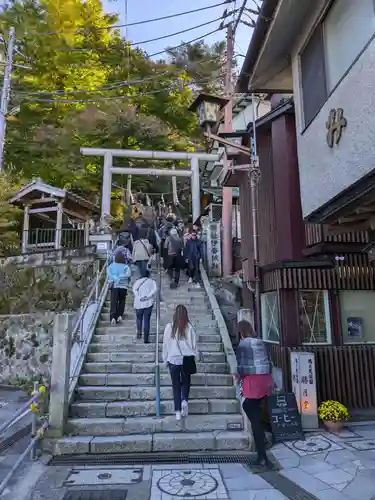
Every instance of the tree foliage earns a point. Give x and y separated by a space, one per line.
88 87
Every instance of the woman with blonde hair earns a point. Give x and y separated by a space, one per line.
179 353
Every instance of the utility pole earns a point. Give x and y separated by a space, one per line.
227 191
5 94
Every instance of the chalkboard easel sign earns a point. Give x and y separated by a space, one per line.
284 417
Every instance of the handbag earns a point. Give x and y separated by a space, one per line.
189 366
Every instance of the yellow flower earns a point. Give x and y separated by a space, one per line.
42 389
34 408
333 411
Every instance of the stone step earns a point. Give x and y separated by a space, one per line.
198 324
146 443
121 357
148 379
103 393
212 368
165 318
150 425
132 346
130 337
123 409
143 357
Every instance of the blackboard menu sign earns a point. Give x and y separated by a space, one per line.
284 416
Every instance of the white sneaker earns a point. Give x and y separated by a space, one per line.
184 409
197 285
113 321
119 319
190 280
178 415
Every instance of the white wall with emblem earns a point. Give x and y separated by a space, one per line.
304 387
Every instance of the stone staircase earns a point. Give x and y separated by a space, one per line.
114 406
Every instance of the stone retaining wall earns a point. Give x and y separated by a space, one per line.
26 347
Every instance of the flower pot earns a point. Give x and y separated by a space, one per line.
334 426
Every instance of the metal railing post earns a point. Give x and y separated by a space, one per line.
157 366
34 423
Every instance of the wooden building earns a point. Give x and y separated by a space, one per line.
318 288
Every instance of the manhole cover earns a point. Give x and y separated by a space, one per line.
96 495
187 484
101 477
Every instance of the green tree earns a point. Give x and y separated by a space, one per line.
89 87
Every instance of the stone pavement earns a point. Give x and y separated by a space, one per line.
12 400
325 467
331 466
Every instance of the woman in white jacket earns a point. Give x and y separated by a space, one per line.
179 340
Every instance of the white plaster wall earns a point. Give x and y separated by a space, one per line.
242 120
325 172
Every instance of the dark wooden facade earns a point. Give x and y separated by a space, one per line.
295 256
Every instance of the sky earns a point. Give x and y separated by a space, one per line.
139 10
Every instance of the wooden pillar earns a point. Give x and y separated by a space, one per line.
290 228
59 216
289 318
25 228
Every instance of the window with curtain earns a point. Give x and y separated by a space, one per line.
357 316
332 48
270 317
314 316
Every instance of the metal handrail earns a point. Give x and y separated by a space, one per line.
20 414
157 365
29 449
36 434
84 338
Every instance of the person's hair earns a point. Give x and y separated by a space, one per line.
245 330
180 322
145 273
120 258
194 232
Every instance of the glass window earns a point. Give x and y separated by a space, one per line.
357 316
348 26
315 323
270 317
313 77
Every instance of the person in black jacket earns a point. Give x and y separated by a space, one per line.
193 256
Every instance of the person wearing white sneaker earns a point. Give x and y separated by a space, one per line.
179 353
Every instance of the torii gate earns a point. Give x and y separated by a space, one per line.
109 169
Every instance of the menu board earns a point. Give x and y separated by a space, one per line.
284 417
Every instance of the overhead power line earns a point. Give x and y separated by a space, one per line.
118 85
137 23
163 37
198 38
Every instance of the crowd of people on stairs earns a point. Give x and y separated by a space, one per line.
181 249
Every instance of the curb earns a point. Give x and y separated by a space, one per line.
227 343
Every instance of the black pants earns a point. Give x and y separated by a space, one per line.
174 268
253 410
194 273
118 297
143 319
180 385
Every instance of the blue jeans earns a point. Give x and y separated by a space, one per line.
142 267
144 319
180 385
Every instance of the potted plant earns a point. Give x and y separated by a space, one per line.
333 414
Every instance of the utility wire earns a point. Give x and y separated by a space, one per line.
137 23
132 44
202 37
117 85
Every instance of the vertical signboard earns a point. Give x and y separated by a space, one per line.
304 387
214 249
